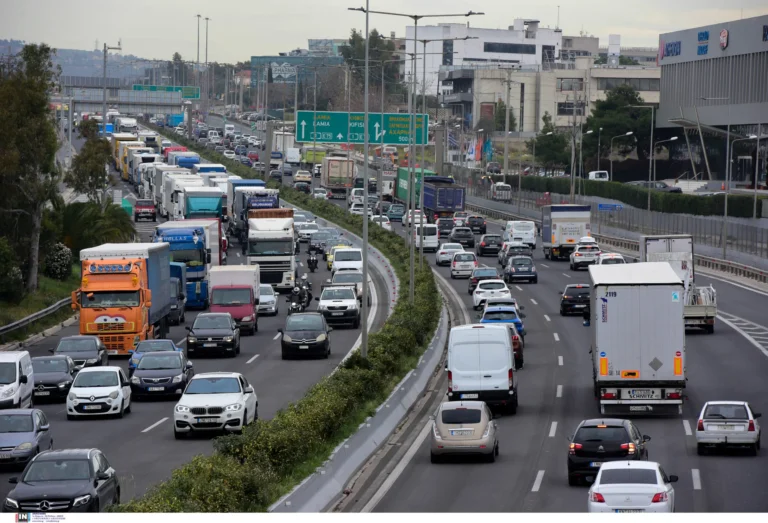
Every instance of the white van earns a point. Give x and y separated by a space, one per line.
431 242
599 176
521 231
481 365
17 380
228 129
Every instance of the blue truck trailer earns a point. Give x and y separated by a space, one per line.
442 197
174 120
187 245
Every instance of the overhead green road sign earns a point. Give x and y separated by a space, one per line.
187 91
333 127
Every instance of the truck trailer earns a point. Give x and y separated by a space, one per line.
561 228
271 246
442 197
337 176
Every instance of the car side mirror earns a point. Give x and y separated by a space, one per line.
756 415
673 479
101 476
13 480
317 298
646 439
51 350
23 379
330 329
44 428
190 365
188 328
280 331
249 390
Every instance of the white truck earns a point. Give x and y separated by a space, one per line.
235 289
501 192
677 250
271 246
201 202
638 338
172 188
293 156
146 171
561 227
282 141
125 125
156 178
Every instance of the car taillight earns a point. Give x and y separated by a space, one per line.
485 222
454 264
482 244
751 426
659 497
475 263
510 377
515 337
700 426
607 395
441 253
629 447
533 269
573 447
596 497
511 269
474 280
577 254
450 381
674 395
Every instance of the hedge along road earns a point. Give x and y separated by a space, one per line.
141 446
556 394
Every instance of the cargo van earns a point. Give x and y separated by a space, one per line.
431 242
481 365
521 231
599 176
17 380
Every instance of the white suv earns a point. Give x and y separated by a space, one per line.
489 289
215 401
413 217
584 255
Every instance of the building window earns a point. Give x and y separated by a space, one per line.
570 108
570 84
567 43
498 47
447 52
639 84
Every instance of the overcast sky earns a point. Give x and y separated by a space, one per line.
240 29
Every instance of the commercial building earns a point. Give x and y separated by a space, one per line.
641 55
713 77
326 46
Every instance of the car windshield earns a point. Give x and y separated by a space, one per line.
500 315
338 294
495 302
519 250
464 257
348 255
522 261
396 209
103 300
192 257
160 362
145 203
212 322
576 292
461 416
726 412
628 476
155 346
57 470
589 248
492 238
320 191
76 345
308 227
231 297
320 236
612 261
492 286
266 290
271 247
310 322
462 232
609 434
451 247
485 272
99 378
523 226
445 222
16 423
213 386
43 365
348 277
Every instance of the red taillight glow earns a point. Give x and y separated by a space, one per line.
482 244
577 254
475 263
700 425
659 497
674 395
596 497
607 395
751 426
474 280
510 376
629 447
450 381
573 447
454 264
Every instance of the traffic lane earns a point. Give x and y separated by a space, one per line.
735 299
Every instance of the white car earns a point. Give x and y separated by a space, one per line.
302 176
347 259
413 217
382 221
355 196
359 209
98 391
632 486
584 255
610 258
267 300
320 194
587 240
215 401
316 170
338 304
727 424
489 289
305 230
446 251
460 218
230 155
462 264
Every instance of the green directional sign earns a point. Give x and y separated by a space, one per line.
253 126
187 91
341 127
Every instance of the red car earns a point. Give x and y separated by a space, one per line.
144 209
253 156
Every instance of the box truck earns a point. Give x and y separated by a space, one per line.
561 228
235 289
337 176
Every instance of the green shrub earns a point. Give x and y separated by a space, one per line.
12 282
58 262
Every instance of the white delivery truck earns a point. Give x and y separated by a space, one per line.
638 338
293 156
235 289
271 247
561 228
523 231
172 186
677 250
157 178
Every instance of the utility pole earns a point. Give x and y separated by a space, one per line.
296 102
506 127
104 113
349 117
364 334
207 72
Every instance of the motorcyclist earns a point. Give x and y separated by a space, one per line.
306 287
296 297
312 262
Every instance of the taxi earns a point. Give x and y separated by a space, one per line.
329 256
302 176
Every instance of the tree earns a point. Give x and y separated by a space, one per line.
28 144
551 151
85 225
380 50
500 116
88 173
616 118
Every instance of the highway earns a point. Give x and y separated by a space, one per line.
141 446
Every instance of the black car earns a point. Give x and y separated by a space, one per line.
318 242
597 441
213 332
489 244
462 235
85 351
493 168
161 374
287 170
444 227
245 161
276 176
480 274
71 480
574 299
305 334
520 268
53 377
303 187
477 224
382 207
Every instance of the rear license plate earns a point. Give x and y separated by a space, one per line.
579 306
209 344
112 352
207 421
596 464
461 432
726 427
337 314
522 269
638 408
5 456
304 346
628 510
156 389
91 407
42 393
642 394
469 396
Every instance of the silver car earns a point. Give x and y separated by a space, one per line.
446 251
465 428
462 264
727 424
267 300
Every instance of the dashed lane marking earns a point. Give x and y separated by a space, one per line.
753 332
544 265
155 425
547 318
687 428
696 477
559 391
553 429
252 359
566 275
560 360
518 288
537 481
277 336
534 301
557 338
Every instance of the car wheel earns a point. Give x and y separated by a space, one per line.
357 323
179 435
754 449
285 356
256 327
70 417
710 329
491 458
496 450
434 458
453 276
121 413
512 407
245 419
571 267
116 500
469 291
562 312
128 408
701 450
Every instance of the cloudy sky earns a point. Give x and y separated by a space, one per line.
241 28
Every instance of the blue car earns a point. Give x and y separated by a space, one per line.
148 346
508 314
246 161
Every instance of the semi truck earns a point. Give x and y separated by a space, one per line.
442 197
115 145
186 159
151 138
129 151
124 124
174 148
146 174
234 184
700 302
337 176
271 246
137 159
156 179
222 183
201 202
178 293
561 228
209 168
173 186
282 141
403 174
638 338
174 120
235 289
122 152
251 197
125 294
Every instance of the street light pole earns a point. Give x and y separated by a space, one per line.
104 114
364 335
207 72
581 157
673 139
650 161
599 132
610 155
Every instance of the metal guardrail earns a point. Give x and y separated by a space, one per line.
16 325
633 246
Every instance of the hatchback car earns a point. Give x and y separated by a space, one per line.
98 391
477 224
23 434
510 316
597 441
510 249
462 264
214 332
53 377
303 176
460 218
320 194
85 351
725 424
445 252
149 346
462 235
489 289
610 258
520 268
276 176
303 187
382 221
316 170
574 299
584 255
632 487
161 374
396 212
305 334
464 428
444 227
480 274
267 300
489 244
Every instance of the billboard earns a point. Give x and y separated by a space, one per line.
285 69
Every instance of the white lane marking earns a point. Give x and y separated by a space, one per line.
301 264
155 425
398 470
456 297
746 335
547 318
557 338
553 429
544 265
696 477
560 360
559 391
537 481
518 288
252 359
181 342
277 336
534 301
237 254
687 427
566 275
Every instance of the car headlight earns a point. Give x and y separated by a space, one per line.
182 408
234 407
114 394
322 338
72 396
228 338
248 318
135 360
10 391
11 503
82 500
321 307
287 338
177 379
92 360
64 384
191 340
24 446
135 380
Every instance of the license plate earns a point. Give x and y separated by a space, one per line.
112 352
642 394
638 408
337 314
523 270
469 396
461 432
43 393
628 510
156 389
726 427
579 306
304 346
207 421
209 344
5 456
91 407
596 464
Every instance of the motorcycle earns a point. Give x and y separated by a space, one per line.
312 263
296 304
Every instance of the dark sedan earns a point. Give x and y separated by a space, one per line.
489 244
161 374
85 351
477 224
462 235
656 186
276 176
318 242
305 334
303 187
23 434
213 332
72 480
444 227
574 299
520 268
53 377
480 274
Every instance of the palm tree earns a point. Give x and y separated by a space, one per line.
87 225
